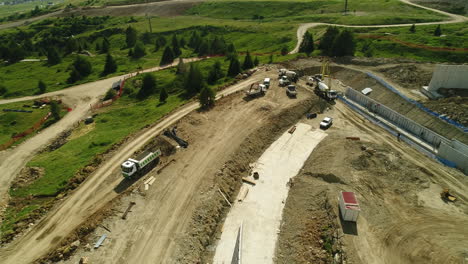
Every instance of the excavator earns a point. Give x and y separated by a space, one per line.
446 196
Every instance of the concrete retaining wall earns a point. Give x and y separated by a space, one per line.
453 151
449 76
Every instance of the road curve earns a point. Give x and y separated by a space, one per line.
92 194
79 98
304 27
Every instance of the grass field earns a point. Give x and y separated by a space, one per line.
364 12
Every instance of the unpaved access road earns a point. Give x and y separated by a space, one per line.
402 219
79 98
97 191
453 19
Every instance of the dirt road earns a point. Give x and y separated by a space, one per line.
403 219
79 98
453 19
97 190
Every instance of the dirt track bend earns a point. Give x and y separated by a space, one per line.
94 193
454 19
79 98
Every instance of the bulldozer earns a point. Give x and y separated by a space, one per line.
446 196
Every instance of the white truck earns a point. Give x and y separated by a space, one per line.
267 82
283 81
291 91
141 164
256 90
349 206
291 75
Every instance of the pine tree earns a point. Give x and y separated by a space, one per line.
438 31
327 40
207 97
148 86
270 61
105 47
204 48
160 42
167 57
256 61
55 110
284 50
248 63
194 80
412 29
344 44
163 95
74 76
82 65
41 86
175 46
231 48
53 56
181 68
139 50
215 73
130 37
307 45
110 66
234 67
194 41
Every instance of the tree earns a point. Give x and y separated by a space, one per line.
53 57
175 46
139 50
307 45
215 73
110 66
160 42
204 48
71 45
234 67
163 95
438 31
194 80
74 76
207 97
412 29
41 86
181 68
256 61
327 40
218 46
270 61
130 37
3 90
248 63
55 110
344 44
194 40
111 93
105 47
167 57
82 65
148 86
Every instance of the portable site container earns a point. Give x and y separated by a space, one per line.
349 206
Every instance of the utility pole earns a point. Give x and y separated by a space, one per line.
346 7
149 18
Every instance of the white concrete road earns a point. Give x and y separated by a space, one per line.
261 210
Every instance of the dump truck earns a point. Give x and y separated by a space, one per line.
283 81
267 82
141 164
256 90
349 206
291 91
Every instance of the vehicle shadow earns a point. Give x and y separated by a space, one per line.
125 183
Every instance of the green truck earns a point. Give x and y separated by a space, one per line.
141 164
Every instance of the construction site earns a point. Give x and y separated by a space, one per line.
314 159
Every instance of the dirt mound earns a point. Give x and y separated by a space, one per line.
410 76
205 223
59 141
455 108
327 177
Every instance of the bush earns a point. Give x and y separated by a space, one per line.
148 87
111 93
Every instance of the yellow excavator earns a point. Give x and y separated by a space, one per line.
446 196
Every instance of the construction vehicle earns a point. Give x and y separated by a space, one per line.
267 82
283 81
141 164
446 196
173 134
256 89
291 75
321 89
291 91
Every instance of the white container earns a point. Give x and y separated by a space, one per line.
349 206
